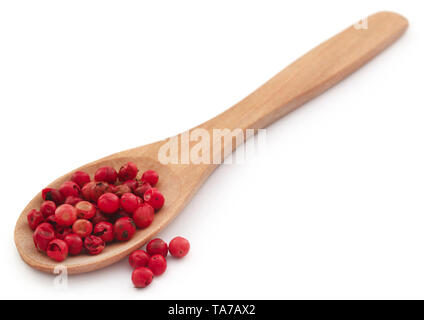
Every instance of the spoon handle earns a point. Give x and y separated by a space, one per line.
313 73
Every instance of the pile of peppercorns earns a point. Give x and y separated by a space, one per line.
84 215
153 262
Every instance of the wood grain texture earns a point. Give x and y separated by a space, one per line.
301 81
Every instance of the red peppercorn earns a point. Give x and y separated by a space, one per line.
85 210
108 203
104 230
35 218
99 217
87 190
72 200
144 215
94 245
127 172
57 250
124 229
129 202
62 232
157 246
133 184
157 264
142 189
80 178
42 236
82 227
106 174
151 177
179 247
52 221
53 195
65 215
142 277
154 198
121 190
48 208
69 188
138 258
74 242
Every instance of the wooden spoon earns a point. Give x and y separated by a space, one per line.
301 81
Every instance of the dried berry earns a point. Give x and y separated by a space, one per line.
124 229
106 174
108 203
72 200
57 250
42 236
69 188
154 198
85 210
82 227
65 215
151 177
94 245
142 277
104 230
127 172
157 264
179 247
35 218
138 258
80 178
157 246
47 208
53 195
74 242
142 189
129 202
144 215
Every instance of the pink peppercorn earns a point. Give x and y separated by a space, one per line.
106 174
154 198
57 250
121 189
138 258
124 229
85 210
53 195
157 264
80 178
129 202
47 208
35 218
82 227
143 216
42 236
72 200
142 277
94 245
74 242
108 203
139 191
65 215
104 230
133 184
151 177
179 247
157 246
69 188
127 172
99 217
62 232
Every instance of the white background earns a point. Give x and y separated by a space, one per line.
332 208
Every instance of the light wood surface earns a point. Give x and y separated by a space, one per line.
301 81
